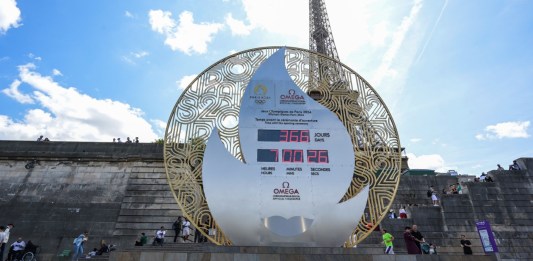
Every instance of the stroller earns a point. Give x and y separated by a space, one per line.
428 249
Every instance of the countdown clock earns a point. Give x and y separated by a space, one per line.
211 113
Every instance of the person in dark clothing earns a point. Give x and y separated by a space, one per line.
177 228
104 248
467 246
30 247
419 237
142 240
410 242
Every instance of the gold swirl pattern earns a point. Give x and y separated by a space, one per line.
213 100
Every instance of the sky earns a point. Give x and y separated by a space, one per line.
456 75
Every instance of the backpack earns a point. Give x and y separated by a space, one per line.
429 193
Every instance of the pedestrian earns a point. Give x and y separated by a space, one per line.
136 139
403 213
16 250
466 245
142 240
514 166
159 237
118 140
432 249
7 230
114 140
2 237
186 229
392 214
78 245
387 240
500 167
459 188
434 197
410 242
40 138
128 140
177 228
419 237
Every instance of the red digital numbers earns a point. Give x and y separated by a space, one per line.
294 135
317 156
293 156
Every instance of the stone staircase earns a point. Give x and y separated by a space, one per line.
507 203
148 204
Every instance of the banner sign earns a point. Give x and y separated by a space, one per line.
487 237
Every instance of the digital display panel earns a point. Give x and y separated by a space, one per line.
292 156
267 155
283 135
317 156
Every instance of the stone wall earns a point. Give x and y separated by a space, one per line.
72 187
116 191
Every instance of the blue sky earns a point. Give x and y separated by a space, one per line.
456 75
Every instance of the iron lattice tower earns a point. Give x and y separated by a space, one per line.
325 73
320 35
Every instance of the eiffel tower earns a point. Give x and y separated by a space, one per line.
321 41
320 35
328 83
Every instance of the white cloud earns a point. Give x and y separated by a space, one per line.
14 93
185 36
415 140
511 129
67 114
133 56
432 161
9 15
128 14
33 56
237 26
260 15
56 72
385 70
140 54
185 81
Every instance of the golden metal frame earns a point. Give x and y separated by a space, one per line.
213 99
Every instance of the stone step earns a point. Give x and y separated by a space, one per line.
148 199
148 206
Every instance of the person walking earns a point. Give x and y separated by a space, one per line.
410 242
5 239
434 197
186 229
419 237
177 228
466 245
387 240
78 245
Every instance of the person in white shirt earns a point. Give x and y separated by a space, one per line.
17 248
3 242
403 213
2 237
186 230
159 237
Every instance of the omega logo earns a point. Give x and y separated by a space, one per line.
286 190
292 96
